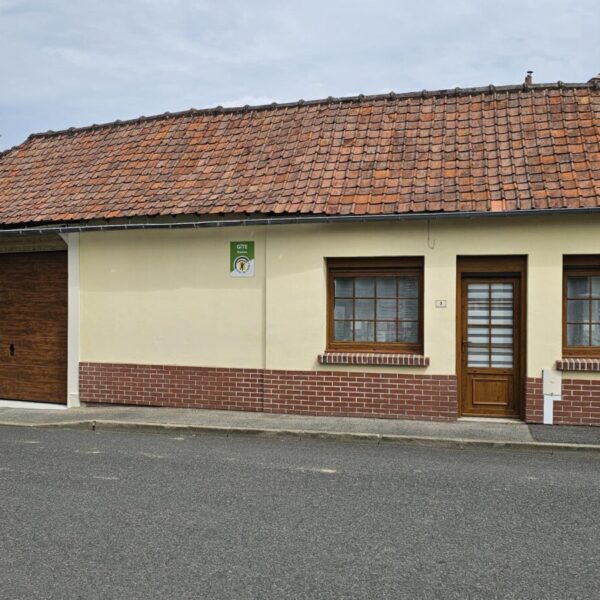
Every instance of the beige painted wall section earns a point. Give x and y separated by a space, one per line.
166 296
295 262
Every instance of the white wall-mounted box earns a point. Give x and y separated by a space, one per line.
551 382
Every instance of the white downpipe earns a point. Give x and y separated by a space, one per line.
72 241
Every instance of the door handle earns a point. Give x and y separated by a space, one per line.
11 349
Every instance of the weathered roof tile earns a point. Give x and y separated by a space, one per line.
487 149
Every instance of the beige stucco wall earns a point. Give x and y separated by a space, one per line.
166 297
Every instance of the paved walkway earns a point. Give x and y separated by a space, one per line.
459 433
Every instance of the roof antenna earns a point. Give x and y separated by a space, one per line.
528 78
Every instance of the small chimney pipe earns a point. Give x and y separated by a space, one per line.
529 78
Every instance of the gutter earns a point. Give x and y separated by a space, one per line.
267 221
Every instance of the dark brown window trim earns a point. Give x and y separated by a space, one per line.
372 267
577 265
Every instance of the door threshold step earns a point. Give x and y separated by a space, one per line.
25 404
507 420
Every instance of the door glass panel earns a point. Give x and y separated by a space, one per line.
490 316
478 357
479 335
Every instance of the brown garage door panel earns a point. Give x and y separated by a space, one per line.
33 326
35 384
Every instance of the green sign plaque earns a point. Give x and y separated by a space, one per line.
241 259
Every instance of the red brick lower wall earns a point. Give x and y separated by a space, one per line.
387 395
534 400
579 404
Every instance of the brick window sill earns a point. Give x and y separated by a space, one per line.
578 364
373 358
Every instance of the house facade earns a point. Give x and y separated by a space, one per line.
422 256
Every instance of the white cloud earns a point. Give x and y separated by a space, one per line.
71 63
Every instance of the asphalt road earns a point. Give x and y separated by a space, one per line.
128 515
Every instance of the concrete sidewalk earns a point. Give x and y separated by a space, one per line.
191 421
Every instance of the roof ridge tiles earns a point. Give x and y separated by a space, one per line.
392 96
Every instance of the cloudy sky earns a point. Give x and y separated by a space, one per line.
75 62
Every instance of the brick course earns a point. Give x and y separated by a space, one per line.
579 404
324 393
534 400
373 358
578 364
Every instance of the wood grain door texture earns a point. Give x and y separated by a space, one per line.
490 349
33 326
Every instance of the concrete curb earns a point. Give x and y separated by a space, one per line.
299 434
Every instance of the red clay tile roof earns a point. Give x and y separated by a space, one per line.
482 149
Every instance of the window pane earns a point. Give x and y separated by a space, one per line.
386 331
386 310
479 335
578 335
478 313
478 291
578 287
408 332
343 309
386 287
595 310
502 358
365 309
343 287
502 291
408 287
408 309
365 287
578 311
478 357
381 309
596 335
364 331
596 287
502 313
502 335
343 331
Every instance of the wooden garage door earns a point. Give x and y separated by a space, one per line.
33 326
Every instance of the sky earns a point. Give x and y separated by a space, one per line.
67 63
